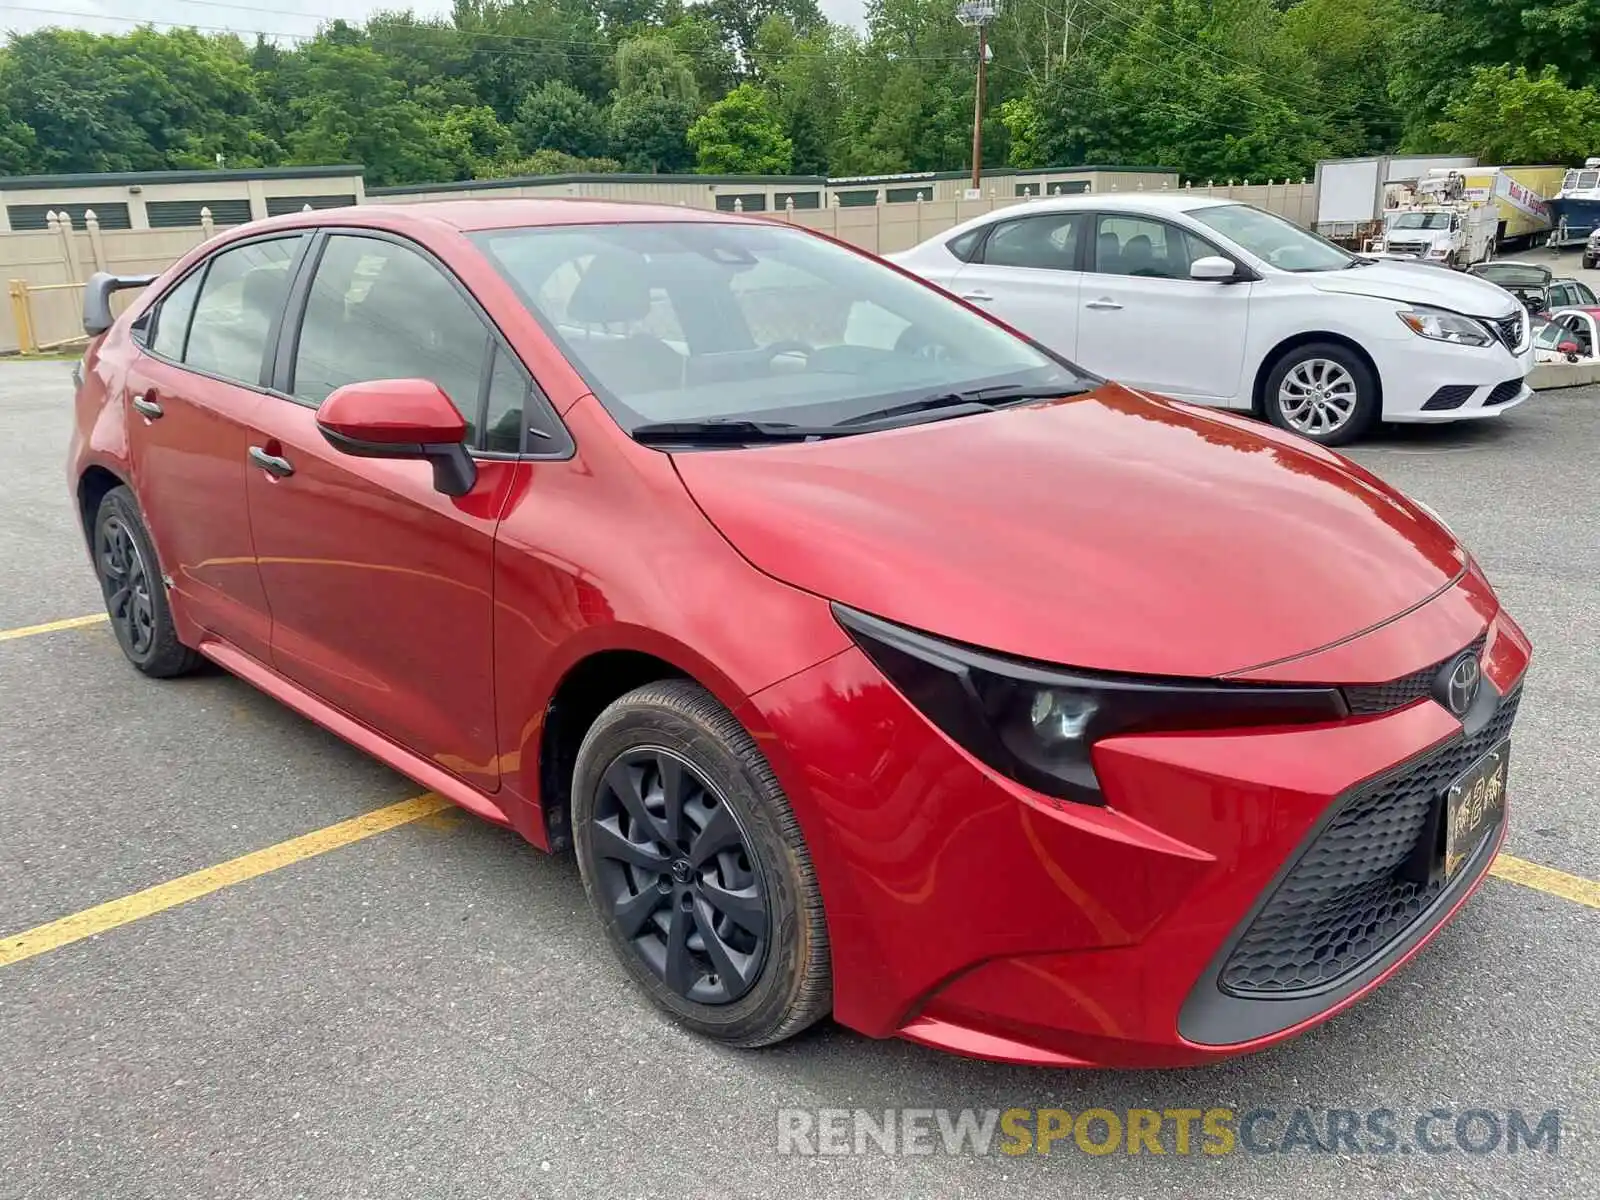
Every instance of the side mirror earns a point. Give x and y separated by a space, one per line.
1213 268
401 418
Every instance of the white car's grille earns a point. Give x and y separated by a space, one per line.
1511 329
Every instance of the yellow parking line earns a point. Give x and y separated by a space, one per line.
52 936
7 635
1547 879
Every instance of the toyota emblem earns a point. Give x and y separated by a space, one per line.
1461 682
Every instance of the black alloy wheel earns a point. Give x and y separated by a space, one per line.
126 581
693 860
136 594
680 877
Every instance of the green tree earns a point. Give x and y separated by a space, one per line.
556 116
741 135
802 75
346 107
1506 115
741 21
467 140
656 101
548 162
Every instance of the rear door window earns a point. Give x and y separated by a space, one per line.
237 309
1048 242
171 318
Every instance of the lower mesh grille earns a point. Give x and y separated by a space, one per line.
1504 393
1344 901
1451 395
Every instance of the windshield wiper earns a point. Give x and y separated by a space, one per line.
1358 261
965 403
731 432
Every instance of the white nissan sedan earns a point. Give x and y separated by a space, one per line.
1224 304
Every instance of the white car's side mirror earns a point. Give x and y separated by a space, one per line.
1213 268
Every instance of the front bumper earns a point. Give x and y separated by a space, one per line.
1427 381
970 913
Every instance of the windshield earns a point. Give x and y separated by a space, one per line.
1580 181
708 321
1272 239
1417 220
1513 274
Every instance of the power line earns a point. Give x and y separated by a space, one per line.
1164 37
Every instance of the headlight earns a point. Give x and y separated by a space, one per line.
1036 723
1442 325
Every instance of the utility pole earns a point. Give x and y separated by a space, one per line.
979 13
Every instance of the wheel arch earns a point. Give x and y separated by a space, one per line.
93 483
1258 391
582 692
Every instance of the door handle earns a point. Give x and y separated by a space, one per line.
1105 302
147 405
977 297
271 463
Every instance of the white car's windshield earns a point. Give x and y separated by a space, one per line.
699 321
1422 221
1273 239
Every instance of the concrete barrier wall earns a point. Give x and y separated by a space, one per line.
1550 376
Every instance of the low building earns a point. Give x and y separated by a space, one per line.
773 193
173 199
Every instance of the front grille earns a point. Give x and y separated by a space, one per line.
1451 395
1417 248
1345 900
1510 329
1504 393
1364 699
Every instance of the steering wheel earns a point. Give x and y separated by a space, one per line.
914 341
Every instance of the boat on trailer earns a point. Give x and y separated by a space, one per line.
1575 210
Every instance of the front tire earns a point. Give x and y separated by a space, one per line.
135 593
1323 391
693 860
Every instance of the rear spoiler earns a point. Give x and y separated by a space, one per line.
97 316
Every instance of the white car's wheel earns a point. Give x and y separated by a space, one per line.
1322 391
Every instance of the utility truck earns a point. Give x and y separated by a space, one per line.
1437 221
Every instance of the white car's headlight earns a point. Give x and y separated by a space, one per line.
1442 325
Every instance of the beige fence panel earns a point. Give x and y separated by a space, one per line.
45 272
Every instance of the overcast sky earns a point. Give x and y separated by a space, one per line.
293 17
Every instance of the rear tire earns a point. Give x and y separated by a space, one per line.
1322 391
693 860
135 591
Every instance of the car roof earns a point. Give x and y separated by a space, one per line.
1154 202
507 213
1587 310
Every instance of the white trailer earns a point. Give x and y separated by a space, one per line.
1353 193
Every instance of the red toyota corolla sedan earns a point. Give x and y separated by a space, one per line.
872 659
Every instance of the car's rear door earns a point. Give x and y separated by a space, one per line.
381 587
1145 323
192 392
1027 272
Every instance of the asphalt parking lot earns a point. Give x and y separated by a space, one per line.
430 1011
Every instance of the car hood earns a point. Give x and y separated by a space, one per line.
1417 283
1110 531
